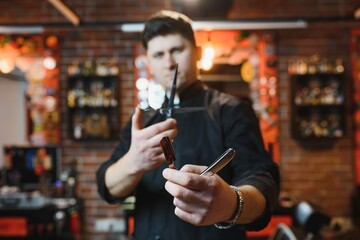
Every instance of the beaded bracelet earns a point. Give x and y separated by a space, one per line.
239 210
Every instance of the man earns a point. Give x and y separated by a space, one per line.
181 204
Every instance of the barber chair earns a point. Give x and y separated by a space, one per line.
283 232
310 219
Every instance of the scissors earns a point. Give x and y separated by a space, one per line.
170 110
165 141
170 107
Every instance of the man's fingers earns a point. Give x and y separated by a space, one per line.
153 130
193 168
137 119
186 179
155 140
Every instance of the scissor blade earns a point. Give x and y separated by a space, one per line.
172 95
182 110
164 111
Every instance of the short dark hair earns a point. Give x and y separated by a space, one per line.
167 22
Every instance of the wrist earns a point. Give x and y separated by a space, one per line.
234 206
131 165
237 213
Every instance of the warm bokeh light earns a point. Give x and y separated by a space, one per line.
49 63
206 64
6 65
209 51
207 57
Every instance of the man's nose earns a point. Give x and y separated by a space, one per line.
170 61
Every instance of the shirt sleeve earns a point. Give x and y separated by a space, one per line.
120 150
253 164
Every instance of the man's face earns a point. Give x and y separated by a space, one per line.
164 52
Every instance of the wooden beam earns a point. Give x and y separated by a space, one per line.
64 10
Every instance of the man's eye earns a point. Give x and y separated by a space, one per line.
158 55
178 50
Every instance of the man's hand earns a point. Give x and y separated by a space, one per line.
145 154
145 149
200 200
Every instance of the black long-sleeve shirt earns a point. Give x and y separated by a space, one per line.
203 135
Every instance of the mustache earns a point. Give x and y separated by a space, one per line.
171 75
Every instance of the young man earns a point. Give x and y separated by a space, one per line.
181 204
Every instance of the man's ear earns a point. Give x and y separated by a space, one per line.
198 52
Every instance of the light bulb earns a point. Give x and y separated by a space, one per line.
206 64
208 57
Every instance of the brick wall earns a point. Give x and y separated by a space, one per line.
87 44
320 172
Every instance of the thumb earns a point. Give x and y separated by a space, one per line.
137 119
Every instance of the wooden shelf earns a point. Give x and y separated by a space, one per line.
318 106
93 107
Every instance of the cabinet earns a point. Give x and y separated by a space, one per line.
59 218
93 107
318 105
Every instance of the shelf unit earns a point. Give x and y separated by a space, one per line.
318 105
93 104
